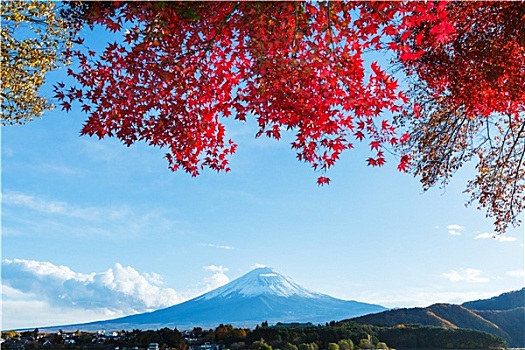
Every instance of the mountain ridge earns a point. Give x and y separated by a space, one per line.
508 324
505 301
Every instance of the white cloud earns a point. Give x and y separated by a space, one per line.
453 276
62 218
257 266
119 289
516 273
217 279
466 275
455 229
496 237
225 247
50 207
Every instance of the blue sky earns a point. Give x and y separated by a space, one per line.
92 229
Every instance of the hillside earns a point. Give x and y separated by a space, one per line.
506 323
505 301
506 310
427 337
439 315
512 321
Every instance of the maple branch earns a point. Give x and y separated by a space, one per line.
515 188
505 137
489 138
516 176
516 140
209 43
329 25
296 29
221 26
451 142
332 45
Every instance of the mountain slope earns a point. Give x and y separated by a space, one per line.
508 324
511 321
261 295
440 315
505 301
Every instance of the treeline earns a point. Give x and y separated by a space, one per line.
416 336
297 336
351 335
331 336
165 337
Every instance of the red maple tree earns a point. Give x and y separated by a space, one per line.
183 66
469 102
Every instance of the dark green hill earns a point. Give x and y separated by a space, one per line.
505 301
440 315
416 315
462 317
506 321
427 337
512 321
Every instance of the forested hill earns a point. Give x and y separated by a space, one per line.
507 311
505 301
439 315
506 323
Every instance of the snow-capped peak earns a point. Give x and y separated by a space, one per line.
262 281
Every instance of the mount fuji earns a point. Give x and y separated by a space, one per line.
260 295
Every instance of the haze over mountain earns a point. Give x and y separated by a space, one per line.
262 294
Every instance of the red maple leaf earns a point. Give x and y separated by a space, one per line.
321 181
375 145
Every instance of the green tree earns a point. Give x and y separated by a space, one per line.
261 345
346 344
333 346
308 346
290 346
365 343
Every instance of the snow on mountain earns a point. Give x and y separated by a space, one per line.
260 295
261 281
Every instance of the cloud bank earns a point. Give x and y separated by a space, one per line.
120 288
30 287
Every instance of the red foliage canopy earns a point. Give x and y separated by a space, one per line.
182 66
469 100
